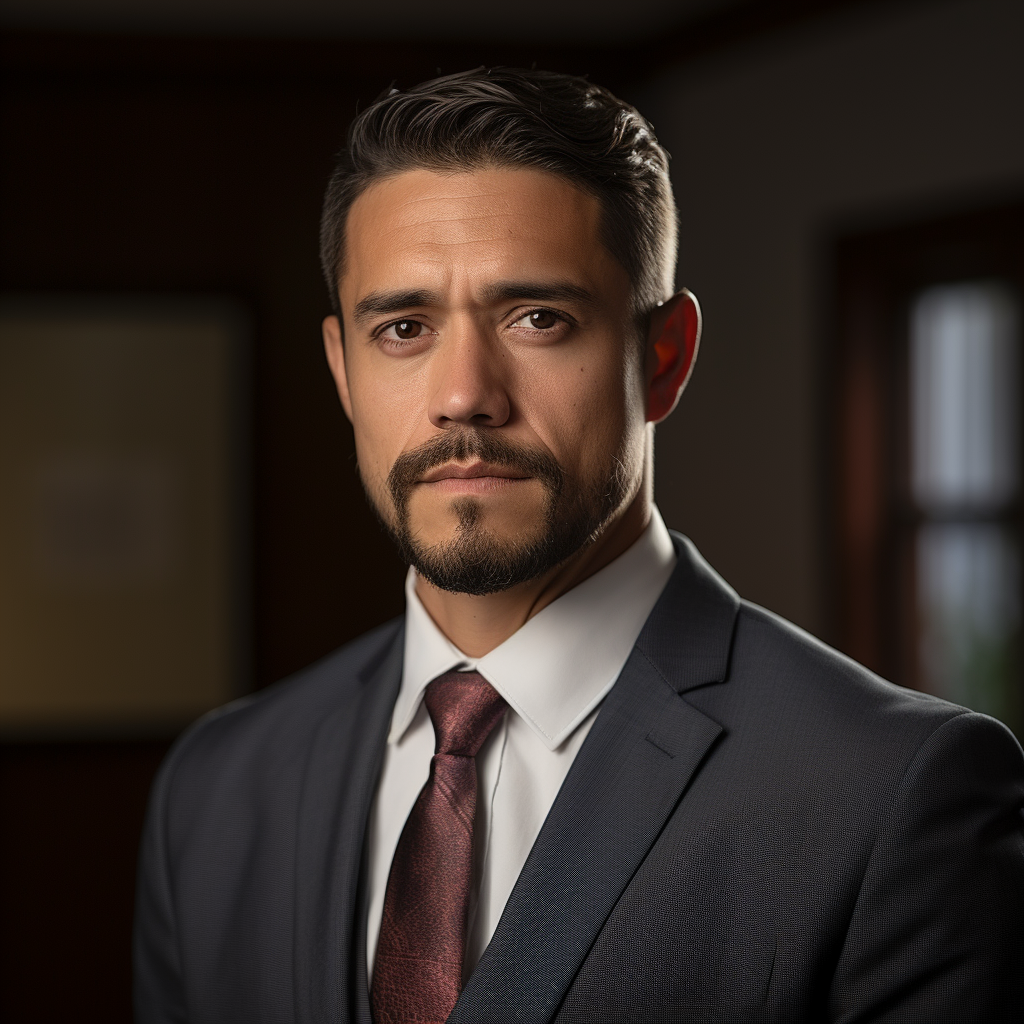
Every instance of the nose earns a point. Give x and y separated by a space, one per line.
468 380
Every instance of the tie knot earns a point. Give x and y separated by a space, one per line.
464 708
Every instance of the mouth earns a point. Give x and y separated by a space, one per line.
474 477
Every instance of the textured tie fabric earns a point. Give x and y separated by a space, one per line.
417 974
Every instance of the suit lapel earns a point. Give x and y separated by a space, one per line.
645 746
343 765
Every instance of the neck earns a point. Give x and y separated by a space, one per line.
476 625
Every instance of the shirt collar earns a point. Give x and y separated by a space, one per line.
560 665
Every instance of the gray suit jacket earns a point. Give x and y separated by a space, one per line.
755 829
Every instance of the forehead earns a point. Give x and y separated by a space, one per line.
447 229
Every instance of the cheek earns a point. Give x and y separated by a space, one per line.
372 467
376 426
590 412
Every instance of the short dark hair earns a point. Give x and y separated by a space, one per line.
509 117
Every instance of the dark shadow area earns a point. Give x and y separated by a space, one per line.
71 815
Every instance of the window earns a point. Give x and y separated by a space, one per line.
927 456
964 423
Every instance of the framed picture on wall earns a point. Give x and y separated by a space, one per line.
123 524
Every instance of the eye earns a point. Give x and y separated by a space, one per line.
403 330
539 320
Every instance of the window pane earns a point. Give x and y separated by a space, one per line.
968 585
965 397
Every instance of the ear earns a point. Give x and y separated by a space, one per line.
334 347
671 352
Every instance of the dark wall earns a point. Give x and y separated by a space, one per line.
70 817
133 167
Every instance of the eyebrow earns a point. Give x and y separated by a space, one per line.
384 303
537 291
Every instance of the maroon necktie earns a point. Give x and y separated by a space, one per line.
417 975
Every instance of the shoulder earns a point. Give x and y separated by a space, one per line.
833 721
266 730
785 699
774 658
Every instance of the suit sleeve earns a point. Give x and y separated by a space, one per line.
158 990
937 933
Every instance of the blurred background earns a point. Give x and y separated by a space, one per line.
180 517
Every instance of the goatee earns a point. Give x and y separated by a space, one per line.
474 560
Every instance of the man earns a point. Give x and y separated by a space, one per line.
580 780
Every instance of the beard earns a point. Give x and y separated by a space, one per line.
475 560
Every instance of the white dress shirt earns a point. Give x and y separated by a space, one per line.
553 672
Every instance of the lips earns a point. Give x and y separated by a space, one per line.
473 471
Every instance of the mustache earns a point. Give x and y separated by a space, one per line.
460 445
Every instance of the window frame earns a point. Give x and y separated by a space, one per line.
876 273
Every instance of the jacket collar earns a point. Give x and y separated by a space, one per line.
343 763
688 635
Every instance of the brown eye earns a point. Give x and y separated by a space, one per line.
543 320
406 329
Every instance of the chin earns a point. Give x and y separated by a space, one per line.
480 546
480 561
482 520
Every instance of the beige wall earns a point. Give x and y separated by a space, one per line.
860 117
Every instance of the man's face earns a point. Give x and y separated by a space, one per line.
491 371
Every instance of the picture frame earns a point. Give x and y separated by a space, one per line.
124 541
